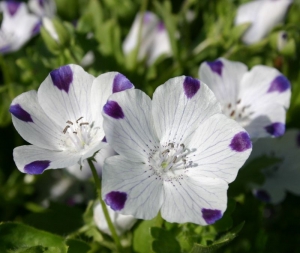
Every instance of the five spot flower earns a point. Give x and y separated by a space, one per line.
257 99
63 119
177 153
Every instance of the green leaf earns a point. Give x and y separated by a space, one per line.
77 246
142 239
165 241
228 237
238 31
17 237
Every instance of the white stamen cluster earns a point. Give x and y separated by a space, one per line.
238 111
170 162
79 134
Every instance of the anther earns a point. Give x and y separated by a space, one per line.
171 145
182 145
84 123
69 122
65 130
232 113
166 151
79 119
74 132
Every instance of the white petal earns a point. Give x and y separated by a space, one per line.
147 34
121 222
128 125
263 20
85 172
221 146
131 188
160 45
266 121
42 8
49 26
65 95
17 27
34 160
198 200
180 106
223 77
265 85
33 124
103 86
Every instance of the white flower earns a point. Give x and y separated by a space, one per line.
63 119
177 153
284 175
42 8
257 99
17 27
154 38
263 16
122 223
85 172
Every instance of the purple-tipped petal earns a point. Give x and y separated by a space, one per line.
20 113
262 195
36 167
42 3
211 215
112 109
121 83
276 129
161 26
104 139
62 77
36 28
241 142
12 7
191 86
5 49
279 84
216 66
116 200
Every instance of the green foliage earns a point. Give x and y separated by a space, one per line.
164 241
16 237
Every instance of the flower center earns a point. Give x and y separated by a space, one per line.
170 162
79 134
237 111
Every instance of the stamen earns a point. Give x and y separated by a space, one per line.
74 132
232 113
171 145
79 119
69 122
166 151
182 145
65 130
84 123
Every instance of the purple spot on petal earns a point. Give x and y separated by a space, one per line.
116 200
36 167
279 84
211 215
262 195
41 3
113 109
121 83
5 49
36 28
161 26
216 66
276 129
20 113
241 142
62 77
12 7
190 86
104 139
147 17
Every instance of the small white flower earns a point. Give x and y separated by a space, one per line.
49 26
263 16
284 175
63 119
154 38
42 8
257 99
17 27
122 223
178 153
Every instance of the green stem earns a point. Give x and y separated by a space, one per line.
104 208
5 72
